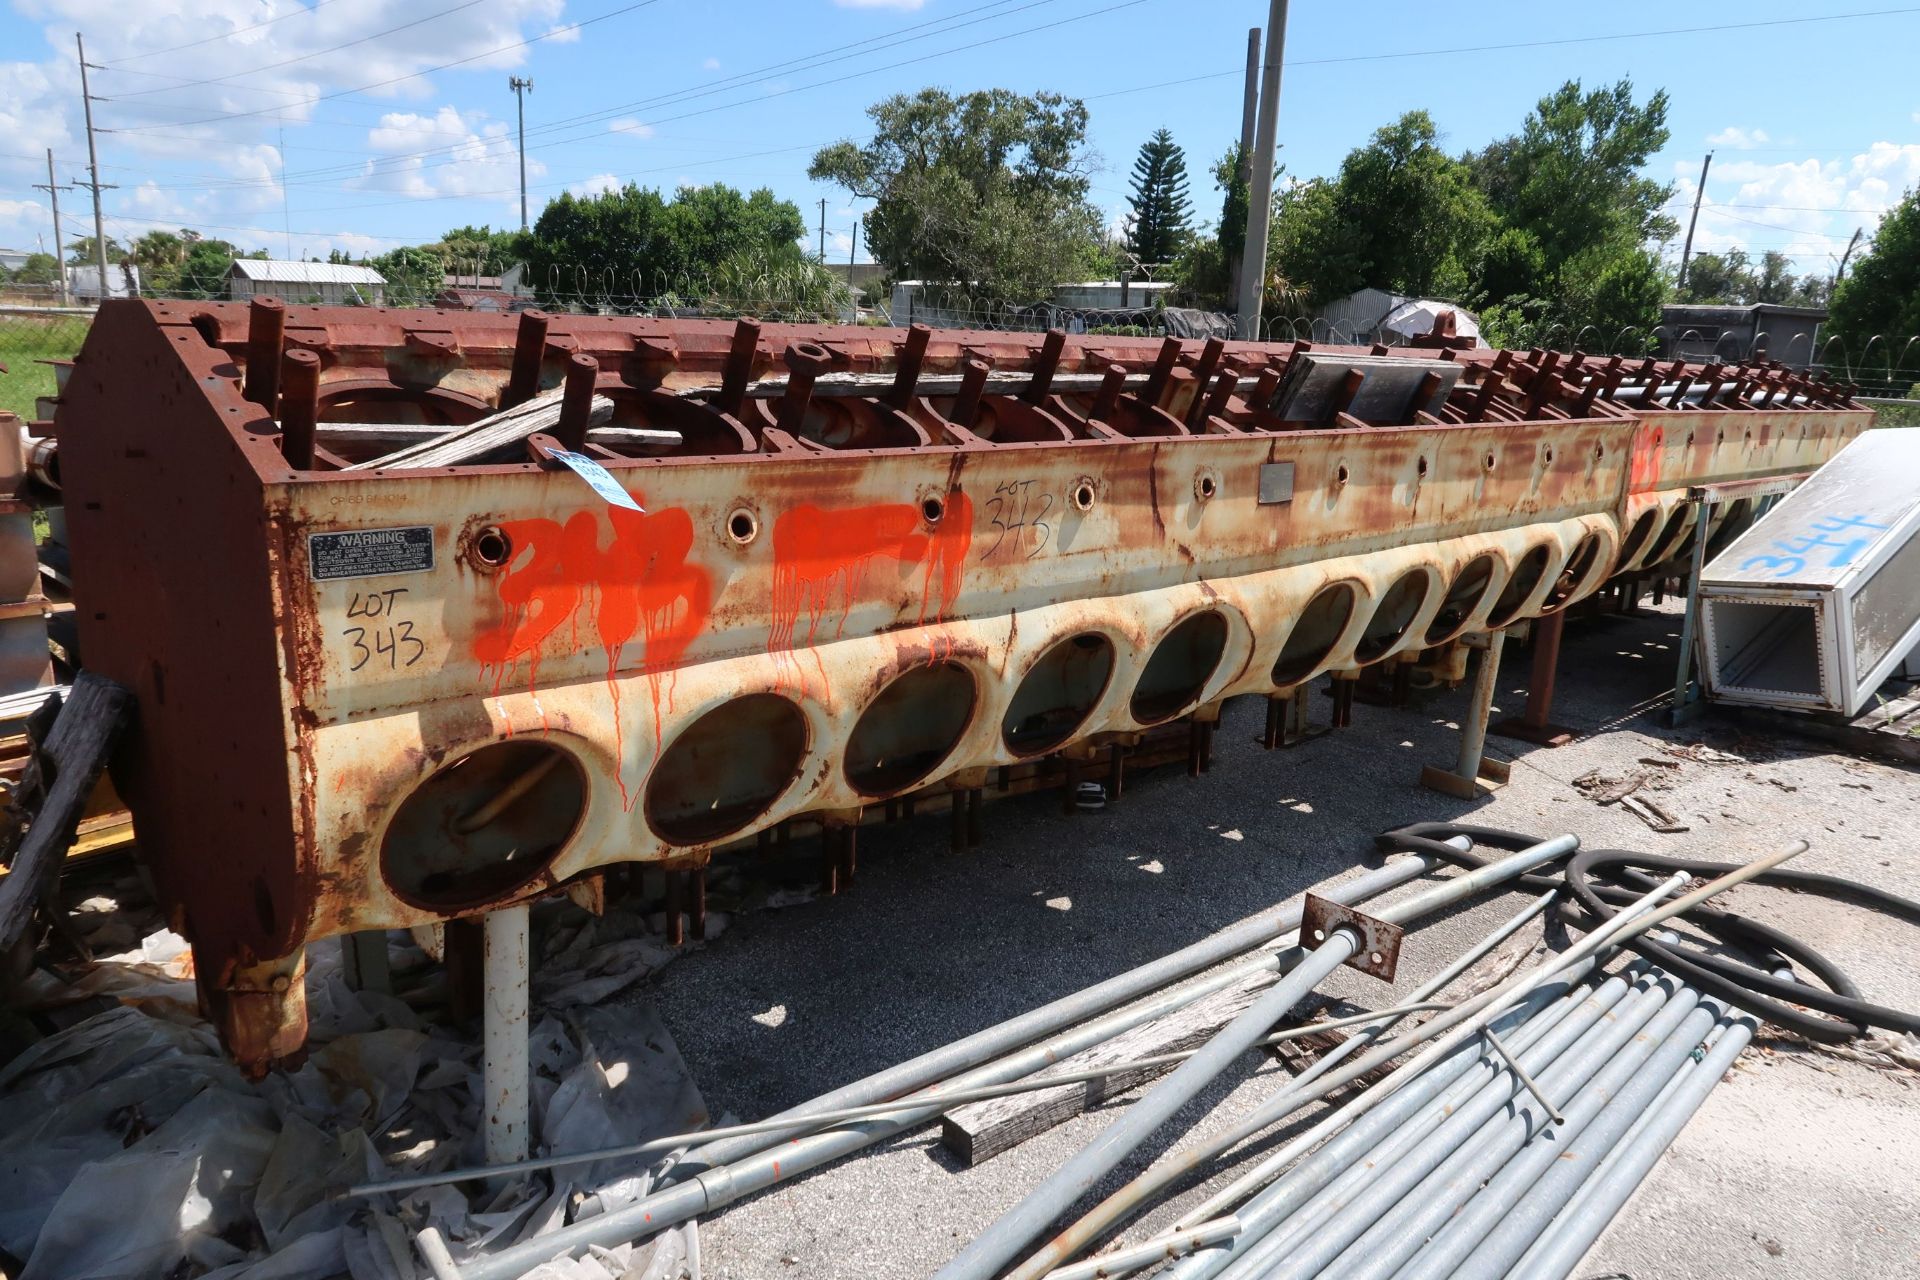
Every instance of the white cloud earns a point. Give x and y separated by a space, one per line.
481 159
631 127
1804 208
209 153
598 184
1739 139
713 64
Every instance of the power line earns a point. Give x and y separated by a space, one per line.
318 53
224 35
413 75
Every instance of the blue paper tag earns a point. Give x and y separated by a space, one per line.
599 479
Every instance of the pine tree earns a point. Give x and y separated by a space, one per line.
1159 200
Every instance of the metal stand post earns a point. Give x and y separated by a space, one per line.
1473 774
363 958
1686 698
1533 724
505 1100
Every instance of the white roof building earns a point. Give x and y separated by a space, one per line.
332 283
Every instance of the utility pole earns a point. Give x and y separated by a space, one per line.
1838 276
1248 111
1686 248
93 170
1253 259
53 190
521 88
823 228
853 247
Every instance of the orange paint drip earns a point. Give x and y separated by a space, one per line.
640 584
822 558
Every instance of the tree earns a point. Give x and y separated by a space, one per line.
633 243
39 269
986 191
80 252
203 273
479 251
1575 216
414 275
1401 215
1571 177
1882 293
1161 209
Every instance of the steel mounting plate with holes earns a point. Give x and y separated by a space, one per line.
1379 951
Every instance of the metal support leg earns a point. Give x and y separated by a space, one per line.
1534 724
505 1097
1686 699
1473 772
363 956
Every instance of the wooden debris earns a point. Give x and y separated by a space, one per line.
473 442
401 435
979 1131
53 793
1602 789
1652 814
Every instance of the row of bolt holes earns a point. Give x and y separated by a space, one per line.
1320 935
494 548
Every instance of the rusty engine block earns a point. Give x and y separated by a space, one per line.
869 563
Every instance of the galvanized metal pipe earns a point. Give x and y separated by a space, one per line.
1465 1020
755 1169
1507 1216
1458 1023
1002 1241
1333 1175
1388 1215
949 1098
1558 1250
1175 1244
988 1254
1217 1203
505 1098
983 1046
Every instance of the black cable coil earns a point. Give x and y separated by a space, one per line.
1603 880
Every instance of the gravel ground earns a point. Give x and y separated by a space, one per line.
1800 1163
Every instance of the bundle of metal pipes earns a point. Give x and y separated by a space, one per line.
1468 1141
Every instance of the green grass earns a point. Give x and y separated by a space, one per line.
26 340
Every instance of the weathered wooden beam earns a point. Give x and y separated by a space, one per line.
476 440
58 780
981 1130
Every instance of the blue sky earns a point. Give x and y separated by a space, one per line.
342 121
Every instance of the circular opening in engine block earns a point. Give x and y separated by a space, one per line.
912 726
1059 692
726 769
1180 667
1315 633
484 826
1393 615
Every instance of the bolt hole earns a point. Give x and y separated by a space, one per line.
1599 452
1549 455
1421 466
1083 497
1206 487
1340 474
493 547
1487 462
742 527
933 509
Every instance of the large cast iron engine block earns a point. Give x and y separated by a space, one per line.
868 562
